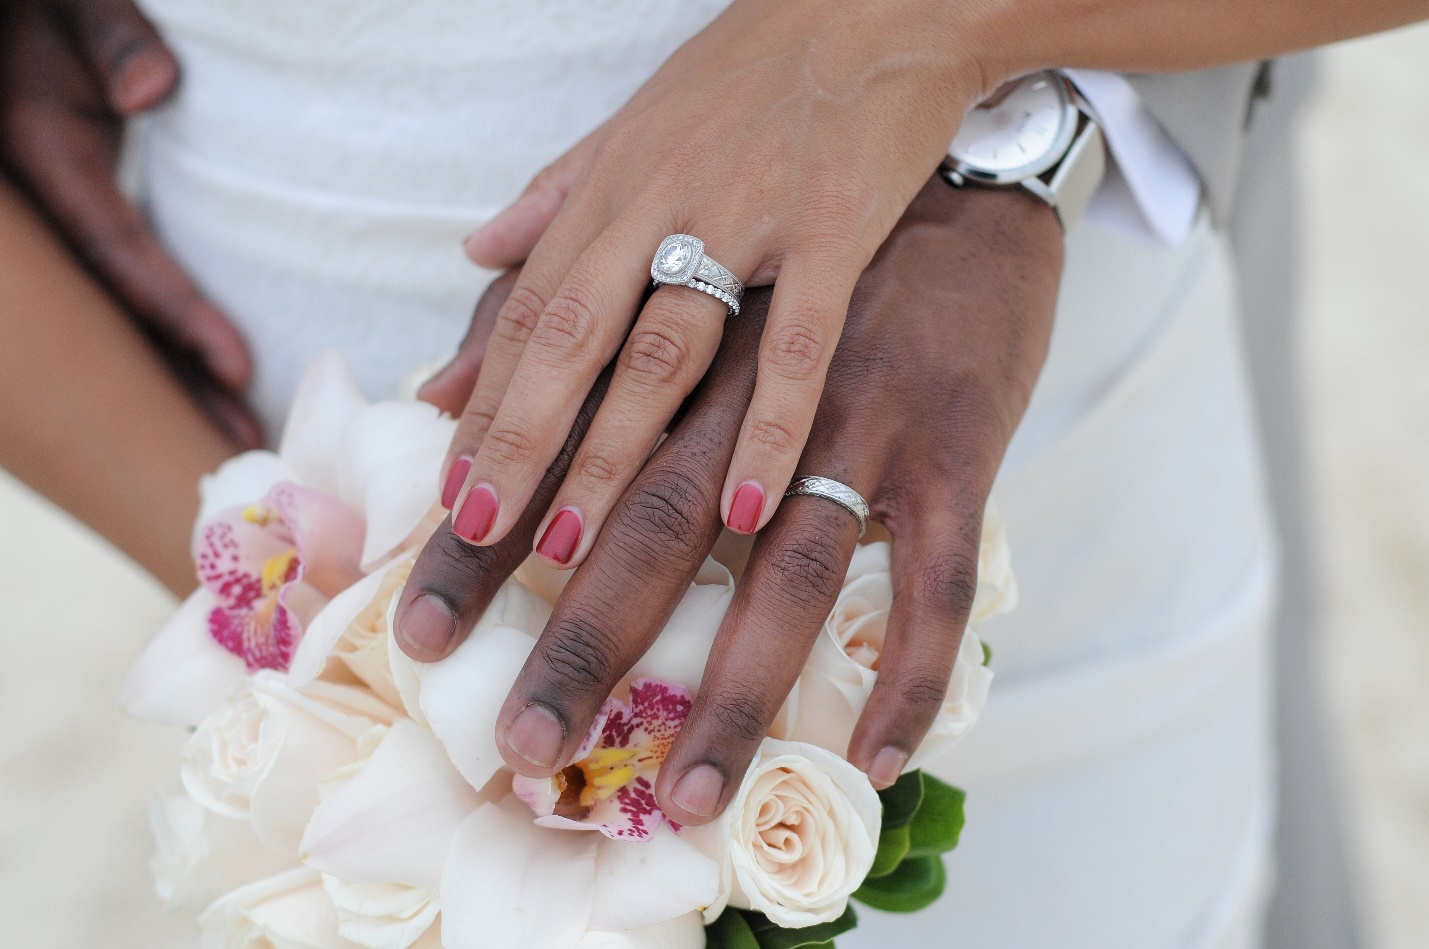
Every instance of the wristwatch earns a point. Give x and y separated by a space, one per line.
1037 133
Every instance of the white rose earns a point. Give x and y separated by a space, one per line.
199 855
798 837
381 915
996 583
287 911
261 756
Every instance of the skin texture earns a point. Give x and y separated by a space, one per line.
946 335
70 72
89 414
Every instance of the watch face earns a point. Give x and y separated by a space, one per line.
1021 131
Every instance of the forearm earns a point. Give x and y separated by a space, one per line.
1018 36
89 415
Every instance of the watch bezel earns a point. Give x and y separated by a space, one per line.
1066 132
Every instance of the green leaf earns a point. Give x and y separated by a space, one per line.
986 654
915 884
730 931
936 826
893 846
817 936
900 802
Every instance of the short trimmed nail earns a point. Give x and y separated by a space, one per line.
562 536
428 625
537 735
887 766
699 791
745 507
455 479
473 522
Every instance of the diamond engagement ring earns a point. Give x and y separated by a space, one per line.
681 260
835 491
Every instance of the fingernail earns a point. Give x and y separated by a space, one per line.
699 791
455 479
537 735
473 522
428 625
562 536
745 507
887 766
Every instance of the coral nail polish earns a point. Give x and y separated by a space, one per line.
562 536
473 522
455 479
745 508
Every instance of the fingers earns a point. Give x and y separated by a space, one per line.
125 51
508 239
451 387
640 567
452 583
577 334
805 319
794 576
666 354
934 580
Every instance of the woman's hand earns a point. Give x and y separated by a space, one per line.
945 338
789 137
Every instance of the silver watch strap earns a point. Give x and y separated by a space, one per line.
1070 185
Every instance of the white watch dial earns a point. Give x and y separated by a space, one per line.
1020 129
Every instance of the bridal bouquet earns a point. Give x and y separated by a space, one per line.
335 793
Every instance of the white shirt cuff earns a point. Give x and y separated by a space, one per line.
1151 191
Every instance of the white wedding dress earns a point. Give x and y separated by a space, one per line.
317 172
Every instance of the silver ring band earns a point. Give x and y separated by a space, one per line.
835 491
680 260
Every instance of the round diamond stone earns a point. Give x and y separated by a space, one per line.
675 257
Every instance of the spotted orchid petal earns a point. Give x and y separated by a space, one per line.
510 883
610 787
183 674
239 481
326 401
272 565
389 458
393 821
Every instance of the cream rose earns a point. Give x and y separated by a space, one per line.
383 915
798 838
261 756
199 855
287 911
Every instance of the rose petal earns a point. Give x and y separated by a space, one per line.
381 915
511 883
288 910
462 695
326 400
393 821
642 883
389 459
686 932
182 675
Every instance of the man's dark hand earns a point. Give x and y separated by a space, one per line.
944 341
71 71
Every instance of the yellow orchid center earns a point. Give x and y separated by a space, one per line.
259 514
277 568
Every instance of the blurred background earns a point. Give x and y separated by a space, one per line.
75 774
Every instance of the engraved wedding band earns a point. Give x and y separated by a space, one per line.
681 260
835 491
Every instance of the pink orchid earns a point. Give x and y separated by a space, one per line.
611 785
271 565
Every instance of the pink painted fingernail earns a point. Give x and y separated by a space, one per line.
887 765
562 536
428 626
478 512
745 507
455 479
537 735
699 791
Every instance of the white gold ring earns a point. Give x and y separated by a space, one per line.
835 491
681 260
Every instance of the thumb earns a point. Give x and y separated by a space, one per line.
125 51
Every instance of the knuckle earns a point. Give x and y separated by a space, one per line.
808 565
594 465
797 348
739 715
656 356
669 510
774 435
508 446
568 324
920 692
519 315
579 654
947 582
